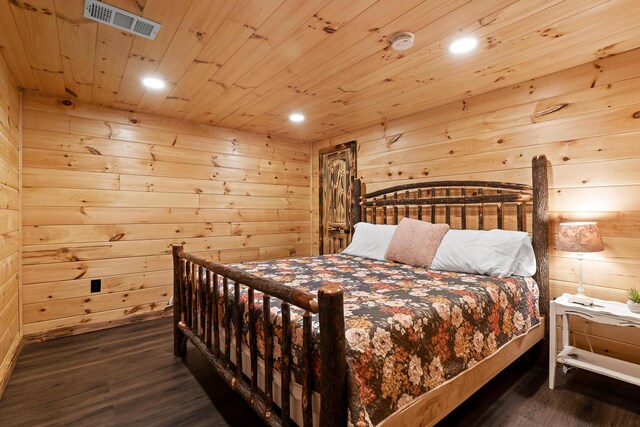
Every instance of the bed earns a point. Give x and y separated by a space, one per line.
338 339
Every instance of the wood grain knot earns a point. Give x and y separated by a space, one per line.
636 115
550 110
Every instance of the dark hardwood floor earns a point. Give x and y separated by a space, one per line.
128 376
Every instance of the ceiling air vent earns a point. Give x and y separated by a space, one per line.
121 19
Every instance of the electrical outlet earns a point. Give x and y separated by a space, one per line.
96 285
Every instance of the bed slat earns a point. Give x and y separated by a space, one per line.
463 211
480 212
214 316
196 301
227 320
253 340
519 219
187 284
183 295
285 395
208 296
433 206
194 298
406 207
202 303
384 210
268 352
499 213
362 188
395 209
447 214
238 315
373 211
307 371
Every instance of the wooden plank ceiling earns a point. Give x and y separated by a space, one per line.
247 64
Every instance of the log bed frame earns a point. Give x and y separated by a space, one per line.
196 298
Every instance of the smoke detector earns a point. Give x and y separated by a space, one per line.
120 19
402 41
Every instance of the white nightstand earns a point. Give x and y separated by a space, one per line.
607 312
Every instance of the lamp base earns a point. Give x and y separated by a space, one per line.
580 299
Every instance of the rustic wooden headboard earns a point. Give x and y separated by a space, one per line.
479 205
452 202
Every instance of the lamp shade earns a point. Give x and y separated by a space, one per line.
579 237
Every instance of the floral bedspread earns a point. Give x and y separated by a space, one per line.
408 329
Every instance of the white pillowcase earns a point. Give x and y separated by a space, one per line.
370 240
497 253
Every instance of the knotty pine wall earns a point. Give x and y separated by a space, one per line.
107 192
585 119
9 222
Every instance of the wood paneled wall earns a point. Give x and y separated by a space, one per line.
107 192
586 120
9 222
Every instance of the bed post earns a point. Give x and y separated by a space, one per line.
333 385
541 245
179 341
357 209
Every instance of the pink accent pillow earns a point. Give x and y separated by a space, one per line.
415 242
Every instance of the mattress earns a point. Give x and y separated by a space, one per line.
408 329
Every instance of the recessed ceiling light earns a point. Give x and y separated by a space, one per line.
464 45
153 83
296 117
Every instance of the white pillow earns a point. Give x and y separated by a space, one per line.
497 253
370 240
526 259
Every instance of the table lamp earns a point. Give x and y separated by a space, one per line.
579 237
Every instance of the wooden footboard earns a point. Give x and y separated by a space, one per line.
195 318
